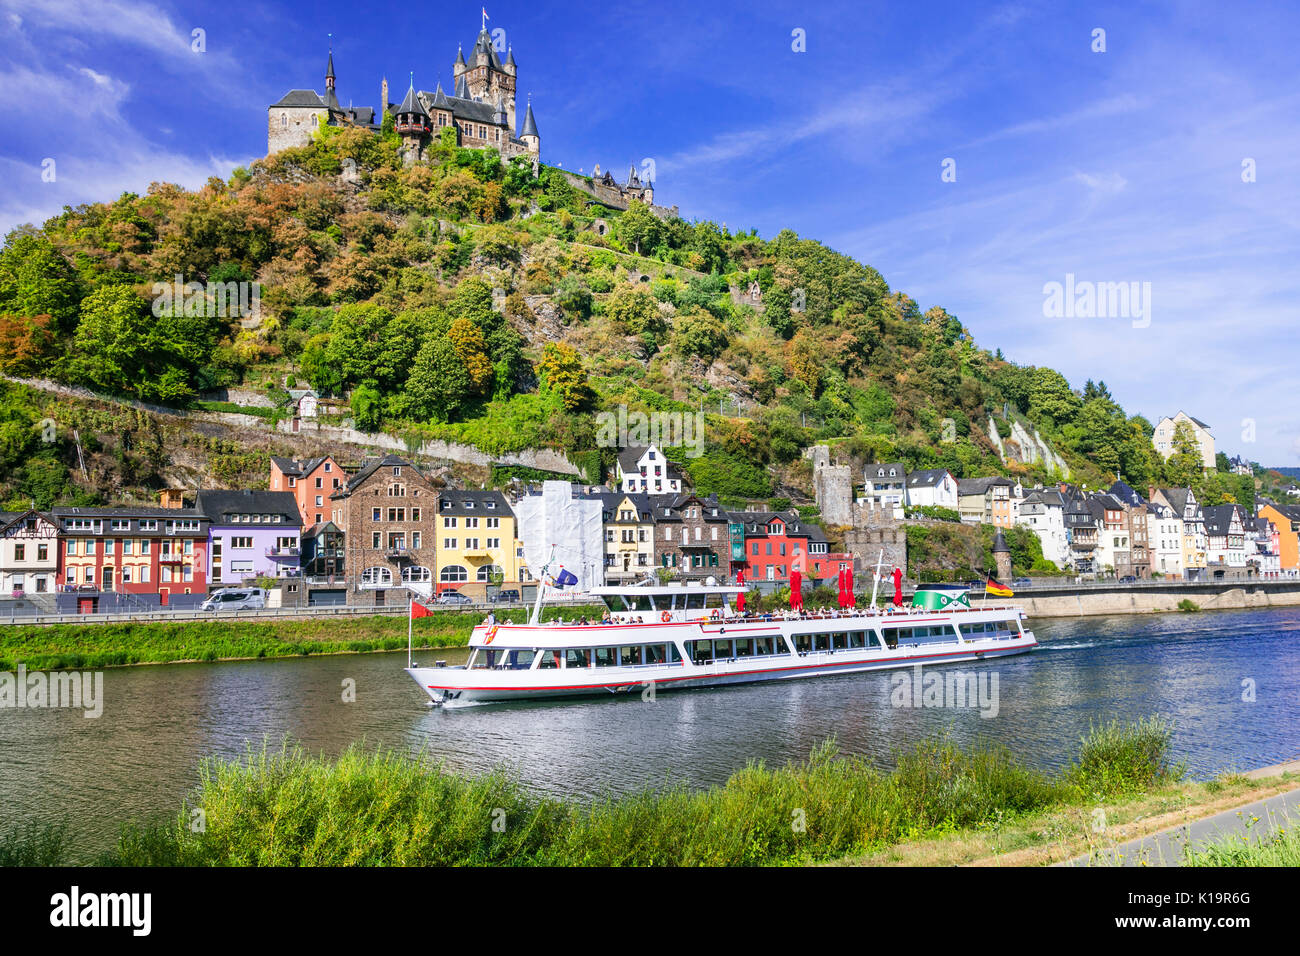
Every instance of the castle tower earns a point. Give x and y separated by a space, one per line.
1002 557
486 77
383 100
413 125
529 135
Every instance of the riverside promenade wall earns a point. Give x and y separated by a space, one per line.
1072 600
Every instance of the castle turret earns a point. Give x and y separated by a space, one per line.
529 135
329 73
1002 557
413 125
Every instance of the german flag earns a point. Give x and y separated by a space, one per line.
997 590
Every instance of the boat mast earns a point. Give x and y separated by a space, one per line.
541 589
876 583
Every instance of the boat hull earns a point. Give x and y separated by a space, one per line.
449 685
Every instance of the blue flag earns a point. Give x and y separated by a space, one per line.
565 579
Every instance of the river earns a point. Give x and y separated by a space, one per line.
141 756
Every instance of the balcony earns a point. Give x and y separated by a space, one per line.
398 553
281 552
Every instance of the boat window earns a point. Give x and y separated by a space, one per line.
629 656
519 660
640 602
615 602
821 642
694 602
700 651
605 656
549 660
857 639
803 643
577 657
674 655
485 658
839 641
655 653
745 647
715 599
473 655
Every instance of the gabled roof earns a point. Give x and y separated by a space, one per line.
1126 493
297 467
221 506
611 500
301 98
881 470
980 486
1218 518
370 467
927 477
489 503
320 528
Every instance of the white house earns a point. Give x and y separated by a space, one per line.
933 487
885 488
644 469
29 553
1165 540
1043 512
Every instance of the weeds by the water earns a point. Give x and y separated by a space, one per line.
34 845
285 807
1119 757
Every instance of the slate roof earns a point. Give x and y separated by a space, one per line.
296 467
220 506
1126 493
301 98
1218 518
926 477
530 124
320 528
981 486
370 467
489 503
873 472
610 501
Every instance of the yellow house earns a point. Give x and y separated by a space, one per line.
476 539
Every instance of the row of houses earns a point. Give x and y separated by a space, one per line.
1167 532
892 491
389 530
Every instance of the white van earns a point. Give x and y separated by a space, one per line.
235 599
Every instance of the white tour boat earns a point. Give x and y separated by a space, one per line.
686 635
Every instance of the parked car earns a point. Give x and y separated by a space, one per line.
1128 579
506 597
1021 583
235 599
452 597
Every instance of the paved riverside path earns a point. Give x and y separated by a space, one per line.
1166 847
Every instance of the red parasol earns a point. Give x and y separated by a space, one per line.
898 587
849 599
740 598
796 590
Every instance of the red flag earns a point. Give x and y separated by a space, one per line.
419 610
740 598
796 590
898 587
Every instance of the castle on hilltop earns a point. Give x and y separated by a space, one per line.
481 109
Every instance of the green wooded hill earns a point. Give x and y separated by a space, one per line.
379 286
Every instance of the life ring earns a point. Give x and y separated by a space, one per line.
665 617
491 634
715 614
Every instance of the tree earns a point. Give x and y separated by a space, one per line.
36 280
1184 466
439 384
121 348
709 243
563 374
639 228
367 408
357 341
700 333
26 344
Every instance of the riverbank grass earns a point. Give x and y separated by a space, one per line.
63 646
287 808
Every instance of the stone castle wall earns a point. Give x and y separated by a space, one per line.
297 132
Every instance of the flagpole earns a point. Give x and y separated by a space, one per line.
410 627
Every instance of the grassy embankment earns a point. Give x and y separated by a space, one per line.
110 645
287 808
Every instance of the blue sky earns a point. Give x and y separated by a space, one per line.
1115 166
